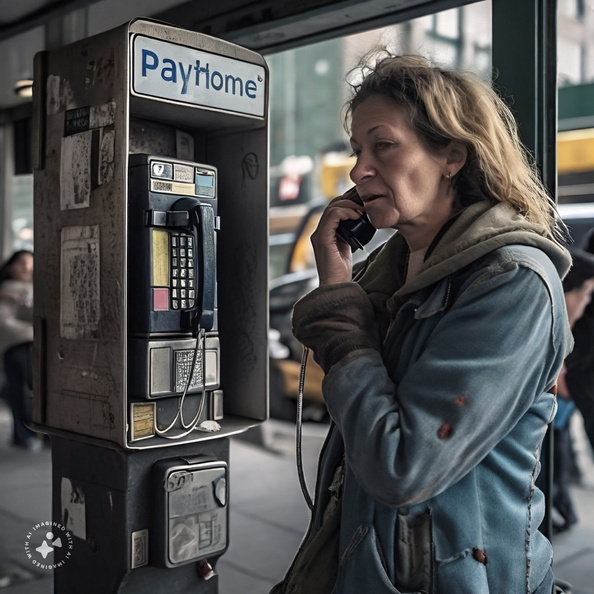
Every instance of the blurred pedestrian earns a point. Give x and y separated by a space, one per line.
578 286
16 341
580 363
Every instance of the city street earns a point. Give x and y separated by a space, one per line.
268 514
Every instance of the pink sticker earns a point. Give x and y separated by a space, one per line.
160 299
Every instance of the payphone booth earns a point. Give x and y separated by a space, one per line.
151 302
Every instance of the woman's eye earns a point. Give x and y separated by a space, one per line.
382 145
355 153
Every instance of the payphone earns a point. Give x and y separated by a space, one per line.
151 294
151 199
173 342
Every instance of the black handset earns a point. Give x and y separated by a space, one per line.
172 263
356 232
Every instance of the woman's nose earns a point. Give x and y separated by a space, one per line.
362 171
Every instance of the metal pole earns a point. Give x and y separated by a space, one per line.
525 66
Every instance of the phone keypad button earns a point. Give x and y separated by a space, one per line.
183 294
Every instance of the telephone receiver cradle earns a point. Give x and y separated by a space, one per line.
201 222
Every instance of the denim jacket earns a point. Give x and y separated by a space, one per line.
441 420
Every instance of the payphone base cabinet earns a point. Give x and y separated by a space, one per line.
114 494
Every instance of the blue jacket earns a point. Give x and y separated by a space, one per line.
440 392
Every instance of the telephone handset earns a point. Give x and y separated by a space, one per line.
356 232
199 306
172 261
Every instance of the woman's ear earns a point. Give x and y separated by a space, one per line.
456 154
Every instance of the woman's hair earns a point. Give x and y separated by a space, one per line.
446 105
5 273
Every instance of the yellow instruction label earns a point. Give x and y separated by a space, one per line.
143 420
160 249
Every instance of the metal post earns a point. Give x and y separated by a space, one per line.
525 66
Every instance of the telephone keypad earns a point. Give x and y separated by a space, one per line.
183 290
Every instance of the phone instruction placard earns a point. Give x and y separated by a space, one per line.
186 75
191 512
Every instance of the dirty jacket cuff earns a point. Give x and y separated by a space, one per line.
335 320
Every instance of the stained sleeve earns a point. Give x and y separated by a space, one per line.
335 321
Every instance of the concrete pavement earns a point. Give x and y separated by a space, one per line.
268 514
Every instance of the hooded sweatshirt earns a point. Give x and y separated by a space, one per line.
439 389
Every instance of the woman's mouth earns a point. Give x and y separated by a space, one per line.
370 198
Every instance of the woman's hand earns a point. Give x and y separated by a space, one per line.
334 259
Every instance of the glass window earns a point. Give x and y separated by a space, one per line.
310 156
22 212
446 24
569 61
572 8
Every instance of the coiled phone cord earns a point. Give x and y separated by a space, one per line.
199 346
299 431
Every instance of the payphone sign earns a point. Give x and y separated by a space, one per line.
186 75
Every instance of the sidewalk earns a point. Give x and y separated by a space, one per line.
268 514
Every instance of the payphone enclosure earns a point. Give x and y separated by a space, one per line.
151 237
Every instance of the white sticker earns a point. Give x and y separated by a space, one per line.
75 172
102 115
79 300
186 75
139 548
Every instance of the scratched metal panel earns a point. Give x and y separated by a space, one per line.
243 261
80 217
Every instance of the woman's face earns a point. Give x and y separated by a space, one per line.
402 184
22 268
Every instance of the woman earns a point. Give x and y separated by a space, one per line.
16 338
441 356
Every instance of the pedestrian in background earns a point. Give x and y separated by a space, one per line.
579 375
578 286
16 341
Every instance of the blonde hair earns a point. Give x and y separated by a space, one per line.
446 105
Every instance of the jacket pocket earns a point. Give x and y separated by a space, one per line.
362 568
463 574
